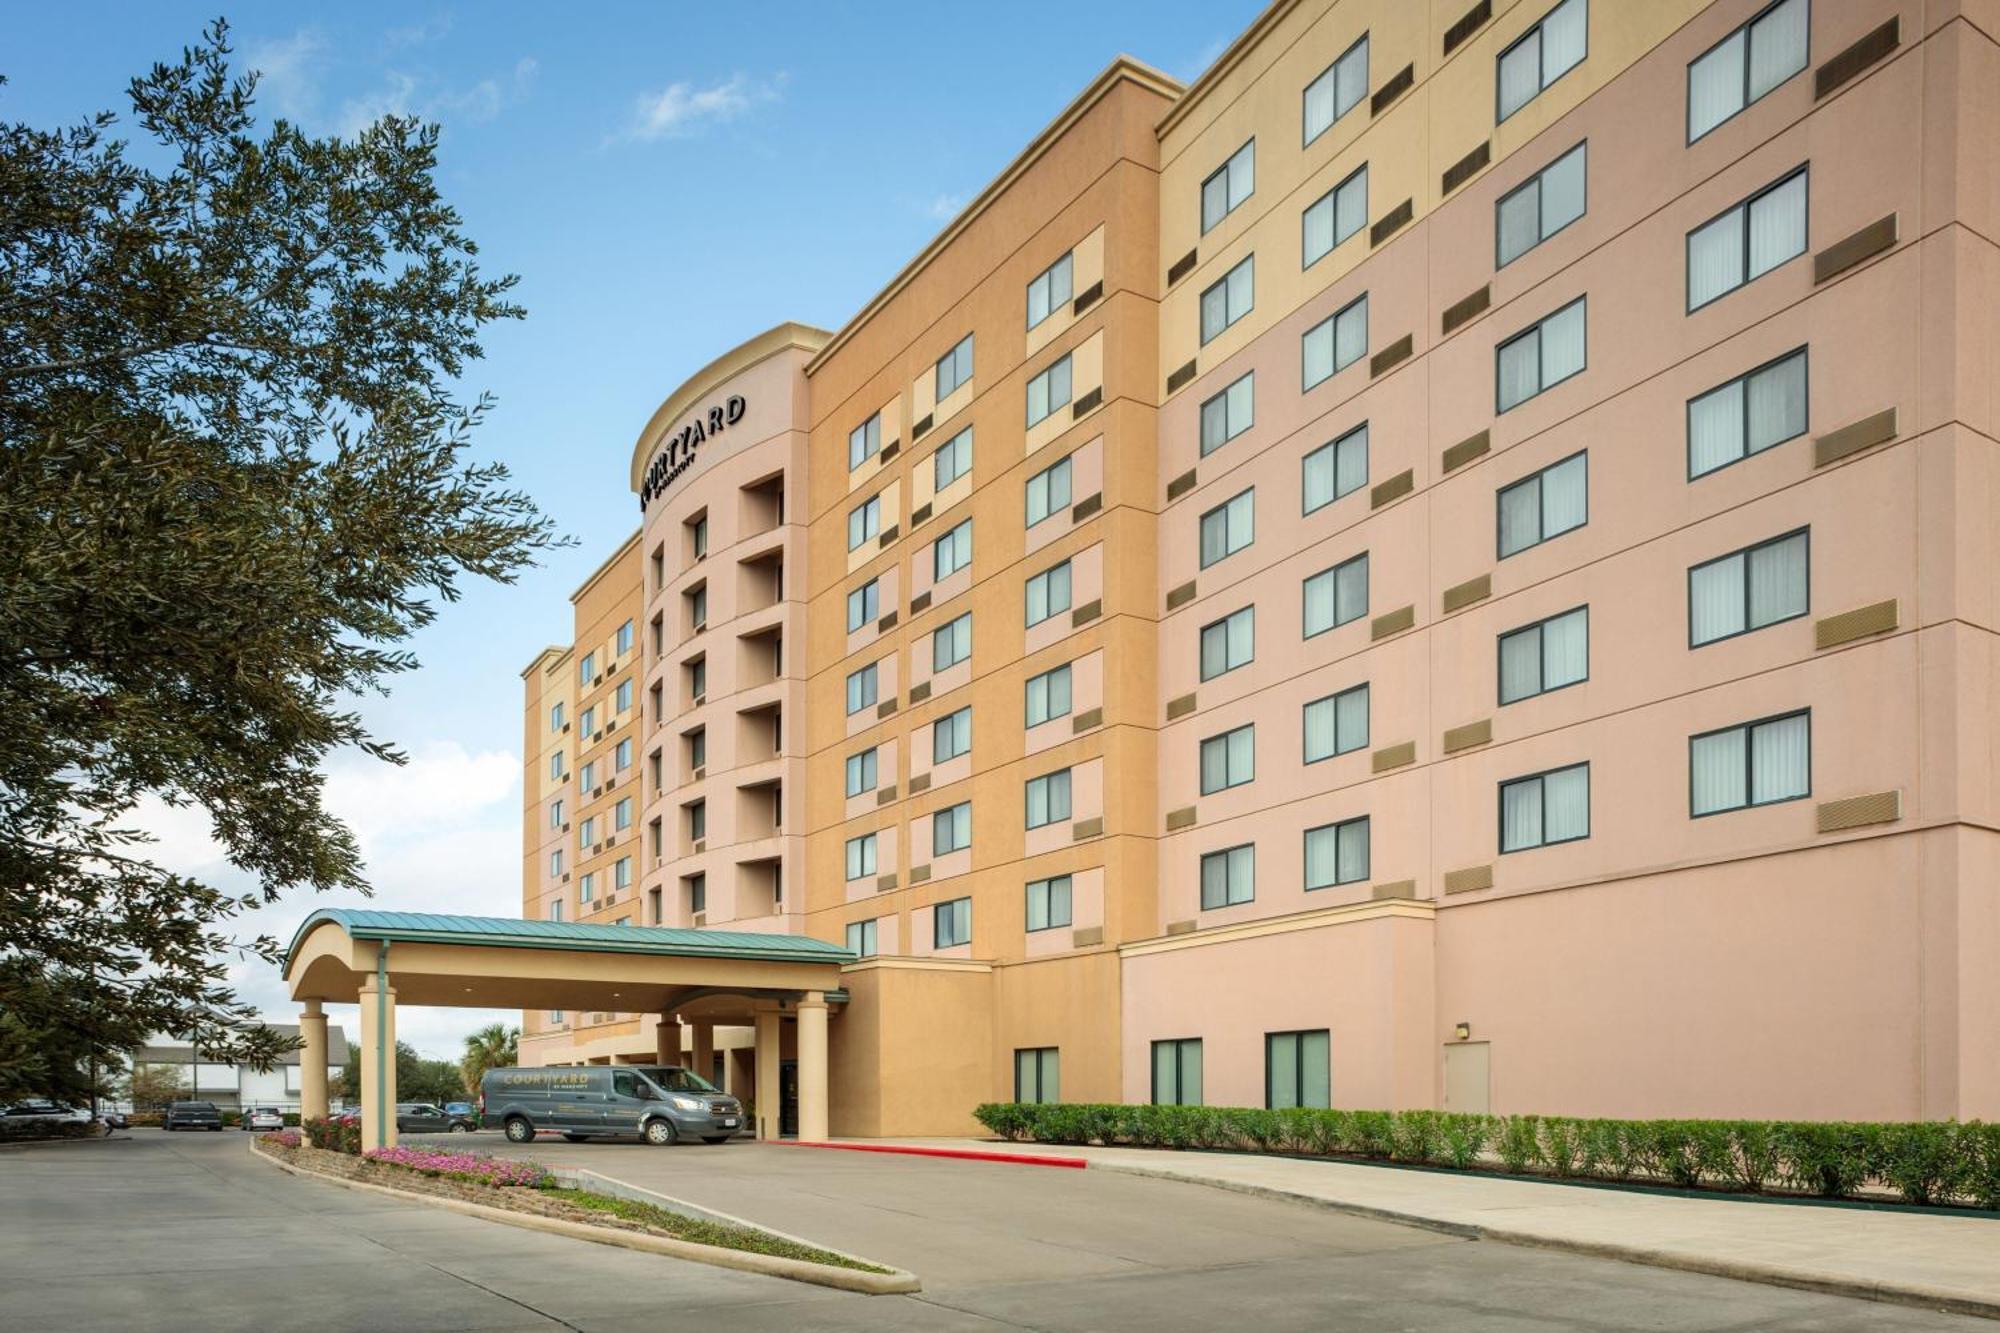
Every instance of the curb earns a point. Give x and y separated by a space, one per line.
960 1154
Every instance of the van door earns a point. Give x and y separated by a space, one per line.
627 1102
579 1109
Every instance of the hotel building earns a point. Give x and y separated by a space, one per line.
1448 563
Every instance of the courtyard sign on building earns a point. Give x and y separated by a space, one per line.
679 450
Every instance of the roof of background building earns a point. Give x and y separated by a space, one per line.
164 1050
515 932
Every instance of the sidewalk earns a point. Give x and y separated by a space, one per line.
1939 1262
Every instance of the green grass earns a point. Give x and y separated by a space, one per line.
706 1233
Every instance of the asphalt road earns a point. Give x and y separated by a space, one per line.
188 1231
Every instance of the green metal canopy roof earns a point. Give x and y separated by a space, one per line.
509 932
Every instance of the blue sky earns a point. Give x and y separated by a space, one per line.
667 180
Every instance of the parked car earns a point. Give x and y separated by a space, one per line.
260 1118
38 1108
464 1110
191 1115
426 1118
659 1104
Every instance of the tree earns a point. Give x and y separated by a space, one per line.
417 1079
234 480
56 1041
152 1086
495 1046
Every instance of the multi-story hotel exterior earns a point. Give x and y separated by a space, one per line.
1449 563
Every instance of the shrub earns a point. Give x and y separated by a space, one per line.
1602 1148
1414 1135
1925 1161
1754 1159
1687 1152
1368 1133
284 1138
1464 1137
1559 1144
1828 1159
1981 1145
333 1135
1517 1144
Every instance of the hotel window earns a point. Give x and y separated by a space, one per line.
951 735
1035 1077
622 700
1756 763
1747 241
659 627
1544 504
951 829
1747 415
1543 54
951 643
586 832
1333 344
1228 299
951 924
697 742
1547 202
1337 724
864 521
1048 390
626 637
586 887
1048 695
1337 91
1745 65
1333 217
1228 760
621 755
555 914
1048 798
861 938
861 856
1228 186
954 368
1048 492
1177 1072
1049 291
588 776
1228 877
555 862
1335 596
621 873
1229 413
697 605
1298 1067
555 717
1048 593
952 460
1337 853
698 535
861 771
1749 589
864 605
861 688
1540 357
1048 902
556 764
587 669
951 552
556 813
864 442
1229 527
1545 656
1228 643
621 814
1545 808
1337 468
588 720
697 812
697 893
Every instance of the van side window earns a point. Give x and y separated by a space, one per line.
624 1084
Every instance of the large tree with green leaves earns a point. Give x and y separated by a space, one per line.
235 477
495 1046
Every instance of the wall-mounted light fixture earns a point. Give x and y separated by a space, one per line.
1464 1031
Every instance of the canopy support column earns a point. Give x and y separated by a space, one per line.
312 1063
768 1094
702 1057
378 1061
812 1067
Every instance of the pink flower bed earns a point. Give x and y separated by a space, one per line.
475 1167
285 1138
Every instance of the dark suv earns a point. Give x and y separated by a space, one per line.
191 1115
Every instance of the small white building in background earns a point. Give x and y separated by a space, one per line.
236 1087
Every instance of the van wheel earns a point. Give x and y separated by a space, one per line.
660 1133
519 1130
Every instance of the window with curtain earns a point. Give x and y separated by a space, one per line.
1177 1072
954 368
1298 1069
1748 415
951 924
1337 853
1049 290
1228 643
1543 54
1337 468
863 443
1545 808
1333 217
1228 760
861 856
861 936
951 829
1228 186
1749 589
952 460
1541 206
1544 504
951 735
951 643
861 771
1048 798
1336 596
1756 763
951 552
864 521
1228 298
1228 877
1334 344
1747 241
1048 902
1049 390
861 688
864 605
1048 695
1747 64
1048 492
1544 656
1540 357
1035 1075
1229 527
1336 724
1048 593
1228 414
1338 89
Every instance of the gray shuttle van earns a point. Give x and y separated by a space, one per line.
661 1104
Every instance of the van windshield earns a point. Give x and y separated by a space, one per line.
680 1080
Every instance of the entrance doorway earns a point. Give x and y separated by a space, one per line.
788 1099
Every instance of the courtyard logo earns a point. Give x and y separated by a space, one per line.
674 457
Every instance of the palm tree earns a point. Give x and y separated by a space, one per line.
495 1046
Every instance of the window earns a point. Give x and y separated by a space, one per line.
861 938
586 887
1334 344
1757 763
1048 695
621 873
951 924
1337 853
1228 760
1333 217
658 565
588 776
861 771
861 856
1547 202
1298 1069
1035 1077
1048 593
1335 596
1545 808
698 535
1228 414
1540 357
1229 527
697 602
951 829
1337 724
1745 65
951 552
1177 1067
864 522
1049 291
1048 390
1543 54
1048 492
864 442
1048 902
1544 504
623 697
1228 299
1338 467
697 820
952 460
697 893
621 814
586 832
1749 589
1048 798
556 717
861 688
1337 91
555 914
864 605
556 764
586 670
556 813
951 735
625 639
1228 877
951 643
698 747
1747 241
1544 656
1228 186
1747 415
1228 643
621 755
555 862
954 368
588 719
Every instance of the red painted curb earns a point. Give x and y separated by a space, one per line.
963 1154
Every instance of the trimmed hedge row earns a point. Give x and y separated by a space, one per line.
1926 1162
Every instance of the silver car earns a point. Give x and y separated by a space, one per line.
261 1118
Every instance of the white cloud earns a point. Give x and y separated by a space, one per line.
945 207
289 72
680 109
416 34
393 98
